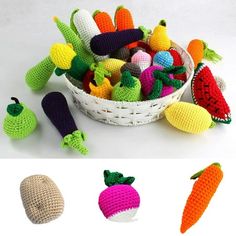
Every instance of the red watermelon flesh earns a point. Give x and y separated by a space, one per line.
207 94
177 62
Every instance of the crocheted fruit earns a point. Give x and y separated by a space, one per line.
120 201
207 94
66 60
37 77
142 59
203 190
56 108
41 198
177 62
20 121
132 68
87 79
124 21
188 117
102 91
121 54
128 89
163 58
198 49
159 40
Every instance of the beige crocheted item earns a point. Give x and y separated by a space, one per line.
41 198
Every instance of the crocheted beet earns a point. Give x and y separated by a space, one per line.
120 201
207 94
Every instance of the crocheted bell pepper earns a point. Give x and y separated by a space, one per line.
203 191
20 121
128 89
56 108
120 201
206 93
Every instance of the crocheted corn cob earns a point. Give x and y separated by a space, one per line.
142 59
66 60
163 58
132 68
188 117
128 89
41 199
56 108
37 77
20 121
87 29
203 190
121 54
120 201
207 94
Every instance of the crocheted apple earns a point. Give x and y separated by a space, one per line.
120 201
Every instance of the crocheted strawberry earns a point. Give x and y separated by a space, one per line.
120 201
207 94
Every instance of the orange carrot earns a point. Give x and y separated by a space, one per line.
123 21
203 190
103 21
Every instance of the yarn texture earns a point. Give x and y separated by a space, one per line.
134 69
142 59
163 58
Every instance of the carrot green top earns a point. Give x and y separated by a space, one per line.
99 72
16 108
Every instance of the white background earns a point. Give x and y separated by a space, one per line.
163 185
26 34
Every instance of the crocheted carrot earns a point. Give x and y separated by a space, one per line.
124 21
103 21
202 192
198 49
56 108
106 43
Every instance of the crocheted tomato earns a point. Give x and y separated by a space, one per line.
207 94
120 201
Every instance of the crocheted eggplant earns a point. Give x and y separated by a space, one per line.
120 201
106 43
56 108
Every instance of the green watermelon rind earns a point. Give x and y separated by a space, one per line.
200 66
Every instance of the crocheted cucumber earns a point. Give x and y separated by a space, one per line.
87 29
207 94
56 108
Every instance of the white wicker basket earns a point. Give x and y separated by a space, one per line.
130 113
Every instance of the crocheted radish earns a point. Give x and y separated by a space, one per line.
56 108
120 201
106 43
87 29
201 195
206 93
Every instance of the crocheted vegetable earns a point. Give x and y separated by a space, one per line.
121 54
103 21
41 198
136 49
71 37
87 79
87 29
56 108
198 49
20 121
128 89
124 21
159 40
177 62
132 68
106 43
207 94
163 58
66 60
203 191
37 77
120 201
147 48
113 65
142 59
188 117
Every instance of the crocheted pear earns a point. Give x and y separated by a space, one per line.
120 201
66 60
20 121
163 58
56 108
41 198
128 89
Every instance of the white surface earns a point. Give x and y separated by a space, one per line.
163 185
27 31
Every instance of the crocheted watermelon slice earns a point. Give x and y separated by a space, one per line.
207 94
